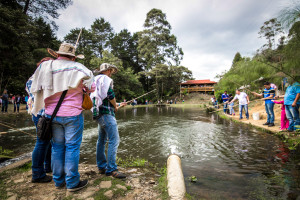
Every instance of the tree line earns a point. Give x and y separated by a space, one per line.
277 61
148 59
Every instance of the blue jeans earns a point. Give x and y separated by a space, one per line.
16 107
4 105
225 107
41 155
292 114
66 141
270 112
231 110
108 130
245 107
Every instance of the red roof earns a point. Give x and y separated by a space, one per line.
196 82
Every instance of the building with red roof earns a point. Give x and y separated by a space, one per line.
205 86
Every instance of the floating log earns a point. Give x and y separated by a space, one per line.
176 186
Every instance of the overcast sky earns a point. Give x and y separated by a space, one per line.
210 32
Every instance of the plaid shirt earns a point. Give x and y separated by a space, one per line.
107 107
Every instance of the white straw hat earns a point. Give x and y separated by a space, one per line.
65 49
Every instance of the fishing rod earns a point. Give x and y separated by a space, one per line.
16 129
137 98
277 69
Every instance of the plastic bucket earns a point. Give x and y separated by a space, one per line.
255 116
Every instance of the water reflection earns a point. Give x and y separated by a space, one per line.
231 161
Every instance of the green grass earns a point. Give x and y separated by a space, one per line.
99 195
162 186
3 194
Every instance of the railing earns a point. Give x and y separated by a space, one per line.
198 89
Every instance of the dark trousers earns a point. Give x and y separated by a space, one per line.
16 107
41 156
4 105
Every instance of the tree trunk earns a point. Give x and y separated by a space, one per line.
26 6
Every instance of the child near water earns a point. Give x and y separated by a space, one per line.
284 121
231 110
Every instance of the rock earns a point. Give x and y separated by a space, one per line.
10 194
89 192
91 198
136 182
109 194
121 187
13 197
19 180
151 182
105 184
132 171
23 198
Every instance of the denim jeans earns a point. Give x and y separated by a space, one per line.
225 107
4 105
231 110
108 130
270 112
66 141
41 155
16 107
292 114
245 107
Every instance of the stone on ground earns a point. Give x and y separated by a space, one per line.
121 187
105 184
109 194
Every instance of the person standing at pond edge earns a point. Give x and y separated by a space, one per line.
48 83
104 98
225 98
243 102
268 95
292 105
4 101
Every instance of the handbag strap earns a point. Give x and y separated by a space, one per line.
58 104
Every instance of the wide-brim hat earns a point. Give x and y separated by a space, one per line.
65 49
105 66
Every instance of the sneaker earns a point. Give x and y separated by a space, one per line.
45 179
271 124
102 171
80 185
116 174
267 123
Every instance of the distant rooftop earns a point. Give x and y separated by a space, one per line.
196 82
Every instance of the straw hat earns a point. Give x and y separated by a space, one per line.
65 49
105 67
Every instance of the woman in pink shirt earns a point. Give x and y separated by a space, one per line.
284 121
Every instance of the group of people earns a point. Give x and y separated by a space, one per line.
60 155
290 105
16 100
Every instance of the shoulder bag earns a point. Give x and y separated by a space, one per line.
44 126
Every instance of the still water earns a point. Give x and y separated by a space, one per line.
231 161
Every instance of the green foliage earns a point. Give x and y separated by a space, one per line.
5 153
193 179
162 186
156 44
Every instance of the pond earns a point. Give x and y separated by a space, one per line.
230 160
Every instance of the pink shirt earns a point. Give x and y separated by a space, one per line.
72 104
280 102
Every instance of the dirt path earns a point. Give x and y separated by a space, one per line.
140 184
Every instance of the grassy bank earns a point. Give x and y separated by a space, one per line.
292 140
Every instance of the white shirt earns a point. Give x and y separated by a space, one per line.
242 97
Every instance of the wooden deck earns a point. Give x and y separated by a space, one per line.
197 89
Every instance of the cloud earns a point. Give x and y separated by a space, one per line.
210 32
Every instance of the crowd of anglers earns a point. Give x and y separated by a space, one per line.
56 89
290 101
